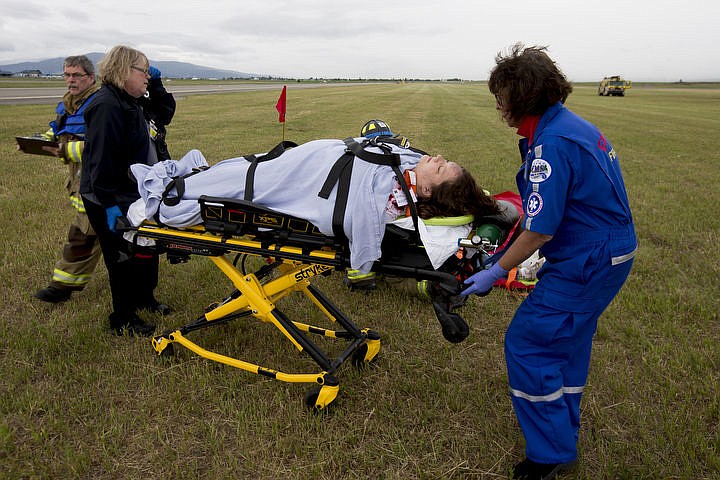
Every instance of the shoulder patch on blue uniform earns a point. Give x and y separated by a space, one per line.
540 171
538 151
534 204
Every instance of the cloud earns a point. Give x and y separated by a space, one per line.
646 40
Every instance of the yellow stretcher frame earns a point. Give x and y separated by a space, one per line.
295 267
299 252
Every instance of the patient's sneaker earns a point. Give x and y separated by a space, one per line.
355 280
53 294
529 470
134 326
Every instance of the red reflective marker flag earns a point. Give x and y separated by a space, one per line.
281 105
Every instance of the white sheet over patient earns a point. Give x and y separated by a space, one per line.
440 241
152 181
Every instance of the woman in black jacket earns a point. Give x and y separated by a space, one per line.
117 136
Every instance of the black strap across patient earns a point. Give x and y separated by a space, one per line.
341 173
277 150
178 183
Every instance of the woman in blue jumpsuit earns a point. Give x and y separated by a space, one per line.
576 211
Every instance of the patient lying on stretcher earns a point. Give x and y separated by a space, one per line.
292 182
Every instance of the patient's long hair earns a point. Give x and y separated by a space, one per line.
461 196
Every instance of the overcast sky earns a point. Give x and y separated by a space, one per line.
643 40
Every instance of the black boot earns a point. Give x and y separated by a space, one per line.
529 470
156 307
53 294
133 325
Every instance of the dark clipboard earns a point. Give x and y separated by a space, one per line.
33 145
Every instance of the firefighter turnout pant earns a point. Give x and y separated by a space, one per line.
80 255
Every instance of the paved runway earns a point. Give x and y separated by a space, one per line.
52 95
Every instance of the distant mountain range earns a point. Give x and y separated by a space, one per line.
54 66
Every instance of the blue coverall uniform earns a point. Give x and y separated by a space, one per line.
572 189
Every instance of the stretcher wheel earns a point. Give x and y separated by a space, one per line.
454 328
167 352
358 357
163 347
317 399
311 398
366 352
320 396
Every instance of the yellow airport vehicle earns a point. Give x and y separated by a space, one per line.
615 85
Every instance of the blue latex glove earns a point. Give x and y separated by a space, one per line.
483 281
154 72
112 214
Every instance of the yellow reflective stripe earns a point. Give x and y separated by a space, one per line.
49 135
69 278
73 151
422 288
77 203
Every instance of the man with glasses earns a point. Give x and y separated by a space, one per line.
81 252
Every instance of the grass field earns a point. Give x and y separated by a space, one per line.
77 402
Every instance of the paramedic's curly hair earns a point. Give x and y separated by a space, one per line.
527 81
461 196
114 68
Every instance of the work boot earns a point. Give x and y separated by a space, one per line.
134 326
156 307
161 308
529 470
53 294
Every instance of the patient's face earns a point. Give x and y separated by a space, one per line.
432 171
